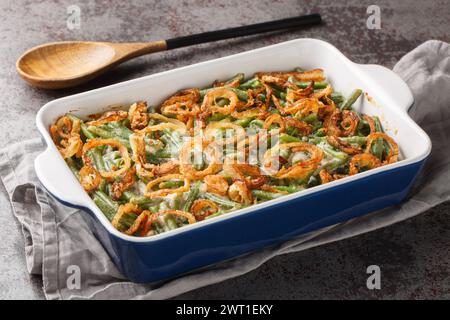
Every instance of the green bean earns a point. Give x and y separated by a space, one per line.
304 85
170 184
334 164
278 93
317 140
193 194
378 126
334 153
243 122
320 132
317 85
275 111
138 199
221 200
119 130
83 127
105 204
285 138
240 77
127 196
162 154
378 146
355 140
216 117
337 98
251 84
177 201
242 95
351 100
108 135
170 222
363 128
265 195
310 118
97 159
256 123
290 189
261 97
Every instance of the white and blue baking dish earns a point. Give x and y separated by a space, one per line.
184 249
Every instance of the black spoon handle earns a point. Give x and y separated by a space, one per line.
307 20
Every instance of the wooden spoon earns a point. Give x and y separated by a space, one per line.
60 65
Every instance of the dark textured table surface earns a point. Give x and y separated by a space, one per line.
414 256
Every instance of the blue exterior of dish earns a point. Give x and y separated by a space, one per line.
183 252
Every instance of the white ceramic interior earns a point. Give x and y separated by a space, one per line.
390 100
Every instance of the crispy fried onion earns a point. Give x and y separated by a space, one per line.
130 209
257 112
248 173
296 94
239 192
209 101
392 156
305 106
343 145
210 149
124 183
305 76
201 208
109 116
363 161
342 123
251 101
138 115
150 193
275 118
66 136
278 81
187 95
162 126
90 178
183 214
284 122
211 129
325 177
323 93
143 168
163 119
114 144
302 126
184 103
299 170
171 166
371 123
270 188
216 184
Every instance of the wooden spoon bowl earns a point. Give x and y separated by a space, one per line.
67 64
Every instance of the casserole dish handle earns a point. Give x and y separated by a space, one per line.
397 90
55 175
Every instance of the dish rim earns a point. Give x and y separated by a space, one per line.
92 207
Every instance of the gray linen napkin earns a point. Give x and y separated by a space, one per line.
58 239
